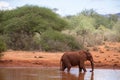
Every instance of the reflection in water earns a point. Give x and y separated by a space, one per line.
92 76
68 76
1 75
81 76
54 74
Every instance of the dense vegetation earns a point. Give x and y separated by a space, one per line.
91 28
34 28
40 28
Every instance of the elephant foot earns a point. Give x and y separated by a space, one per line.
80 70
84 70
91 70
68 70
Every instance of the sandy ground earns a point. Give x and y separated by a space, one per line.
105 56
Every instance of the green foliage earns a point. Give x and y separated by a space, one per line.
103 20
113 17
2 46
89 13
116 28
82 25
91 28
21 24
86 24
39 28
32 19
56 41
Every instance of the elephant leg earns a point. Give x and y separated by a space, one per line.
82 65
68 67
63 67
67 64
84 69
80 69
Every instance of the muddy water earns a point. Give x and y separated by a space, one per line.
21 73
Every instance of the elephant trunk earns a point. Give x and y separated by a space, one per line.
92 64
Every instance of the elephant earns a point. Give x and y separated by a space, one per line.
75 58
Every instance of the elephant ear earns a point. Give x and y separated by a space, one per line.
88 54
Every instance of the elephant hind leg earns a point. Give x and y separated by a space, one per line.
63 67
66 64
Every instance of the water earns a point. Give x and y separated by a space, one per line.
24 73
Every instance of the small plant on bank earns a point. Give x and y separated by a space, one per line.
2 47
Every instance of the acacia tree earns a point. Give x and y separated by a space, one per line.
116 28
92 27
83 26
20 25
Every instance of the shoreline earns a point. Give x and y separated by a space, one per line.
40 64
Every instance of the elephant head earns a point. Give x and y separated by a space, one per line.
90 58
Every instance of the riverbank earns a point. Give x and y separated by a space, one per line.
105 56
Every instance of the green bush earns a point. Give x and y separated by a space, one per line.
21 24
2 46
56 41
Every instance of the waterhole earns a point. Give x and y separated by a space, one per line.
35 73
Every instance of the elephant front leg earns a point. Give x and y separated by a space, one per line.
82 66
80 69
84 69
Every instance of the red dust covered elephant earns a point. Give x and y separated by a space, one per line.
70 59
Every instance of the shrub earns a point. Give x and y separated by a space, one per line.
21 24
56 41
2 46
22 42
